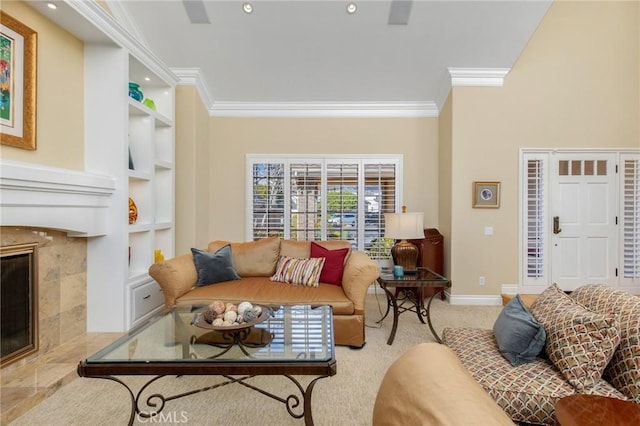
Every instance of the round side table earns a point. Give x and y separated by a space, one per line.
587 410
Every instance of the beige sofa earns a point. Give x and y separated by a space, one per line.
592 346
428 385
255 262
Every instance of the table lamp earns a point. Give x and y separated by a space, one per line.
404 226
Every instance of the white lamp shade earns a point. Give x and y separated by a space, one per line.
404 226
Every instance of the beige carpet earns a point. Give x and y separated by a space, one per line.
342 400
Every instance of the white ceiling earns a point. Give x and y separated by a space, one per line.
313 55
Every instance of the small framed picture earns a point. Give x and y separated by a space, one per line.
486 195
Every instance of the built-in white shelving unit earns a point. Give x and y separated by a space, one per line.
120 292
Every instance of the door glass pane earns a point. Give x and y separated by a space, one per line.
602 167
563 167
576 167
588 167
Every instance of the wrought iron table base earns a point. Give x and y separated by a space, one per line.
231 339
417 306
157 401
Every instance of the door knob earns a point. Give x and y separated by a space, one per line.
556 225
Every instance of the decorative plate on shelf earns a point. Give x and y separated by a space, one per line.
199 321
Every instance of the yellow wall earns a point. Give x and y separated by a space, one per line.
445 180
60 103
193 181
232 138
575 85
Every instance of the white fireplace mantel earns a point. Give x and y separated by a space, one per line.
48 197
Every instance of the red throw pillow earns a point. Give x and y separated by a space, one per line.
333 264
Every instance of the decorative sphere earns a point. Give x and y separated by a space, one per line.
250 315
231 307
242 307
217 306
209 316
217 322
230 316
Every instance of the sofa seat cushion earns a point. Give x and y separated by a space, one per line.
526 392
623 371
262 290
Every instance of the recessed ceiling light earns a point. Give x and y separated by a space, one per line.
52 6
247 7
351 8
147 79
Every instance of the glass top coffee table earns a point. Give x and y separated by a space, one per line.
412 285
290 340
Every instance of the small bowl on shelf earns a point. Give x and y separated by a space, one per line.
149 104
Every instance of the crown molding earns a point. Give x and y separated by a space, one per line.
193 77
324 109
485 77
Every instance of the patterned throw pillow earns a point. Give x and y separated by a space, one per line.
580 343
623 371
299 271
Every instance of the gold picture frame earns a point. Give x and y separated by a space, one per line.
486 195
18 55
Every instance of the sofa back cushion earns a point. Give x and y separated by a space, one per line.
254 258
623 371
302 249
580 342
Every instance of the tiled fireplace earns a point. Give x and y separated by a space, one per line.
61 283
56 210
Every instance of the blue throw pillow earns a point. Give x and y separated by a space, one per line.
519 336
214 267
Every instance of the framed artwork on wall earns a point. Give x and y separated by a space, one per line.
18 44
486 195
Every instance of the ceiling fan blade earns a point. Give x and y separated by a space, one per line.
196 11
400 11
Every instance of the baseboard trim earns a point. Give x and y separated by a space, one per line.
471 299
476 300
510 289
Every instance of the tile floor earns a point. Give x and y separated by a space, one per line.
23 387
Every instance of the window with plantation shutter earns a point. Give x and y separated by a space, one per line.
308 198
630 226
534 208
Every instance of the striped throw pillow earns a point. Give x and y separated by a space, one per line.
304 272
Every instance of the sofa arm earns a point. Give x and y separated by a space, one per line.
176 276
429 385
359 273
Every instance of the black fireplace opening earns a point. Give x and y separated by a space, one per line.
18 302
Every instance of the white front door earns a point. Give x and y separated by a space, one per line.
583 206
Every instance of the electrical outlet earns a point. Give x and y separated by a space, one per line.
481 281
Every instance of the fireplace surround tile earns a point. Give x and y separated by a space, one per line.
62 284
